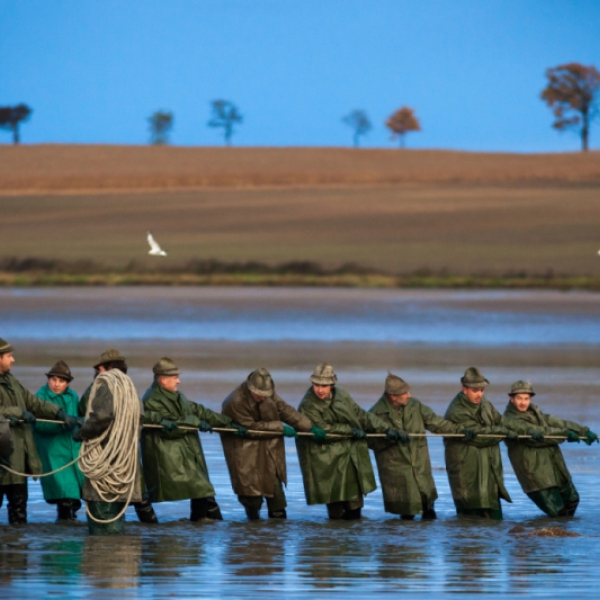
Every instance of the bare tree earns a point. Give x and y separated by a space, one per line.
161 123
359 122
224 114
12 116
572 92
401 122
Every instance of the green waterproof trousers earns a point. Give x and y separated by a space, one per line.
557 501
106 511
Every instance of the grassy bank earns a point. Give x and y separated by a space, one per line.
40 272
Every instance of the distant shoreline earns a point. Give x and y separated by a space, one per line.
345 280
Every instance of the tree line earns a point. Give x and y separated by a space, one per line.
572 93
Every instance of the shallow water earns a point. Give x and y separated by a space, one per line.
307 555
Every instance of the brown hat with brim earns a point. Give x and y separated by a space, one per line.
165 367
473 378
324 375
261 383
5 347
61 369
109 356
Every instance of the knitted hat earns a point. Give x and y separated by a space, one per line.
61 369
109 356
5 347
473 378
521 387
396 385
261 383
165 366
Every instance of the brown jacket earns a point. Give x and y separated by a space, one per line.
254 463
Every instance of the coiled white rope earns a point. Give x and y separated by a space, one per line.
110 461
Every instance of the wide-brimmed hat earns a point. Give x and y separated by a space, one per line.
109 356
61 369
396 385
5 347
165 366
261 383
324 375
521 387
473 378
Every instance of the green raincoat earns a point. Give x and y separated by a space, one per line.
339 469
405 469
57 448
475 467
539 465
14 399
174 464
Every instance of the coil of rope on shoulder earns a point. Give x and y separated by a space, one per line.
110 460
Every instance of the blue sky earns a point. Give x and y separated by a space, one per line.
93 71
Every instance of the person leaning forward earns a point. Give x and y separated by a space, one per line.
405 468
113 359
538 463
21 408
257 464
474 466
338 471
174 463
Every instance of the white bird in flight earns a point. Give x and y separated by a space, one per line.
155 249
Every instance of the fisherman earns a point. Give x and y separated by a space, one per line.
405 468
174 463
257 465
338 471
111 392
474 466
21 408
113 359
539 463
57 448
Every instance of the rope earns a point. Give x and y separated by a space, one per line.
110 461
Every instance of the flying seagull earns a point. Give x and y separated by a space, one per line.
155 249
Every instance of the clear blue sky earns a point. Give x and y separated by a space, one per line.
93 71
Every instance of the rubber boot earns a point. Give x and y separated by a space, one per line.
429 514
407 517
17 504
335 510
205 508
352 514
571 507
252 513
145 512
64 510
278 514
213 511
75 506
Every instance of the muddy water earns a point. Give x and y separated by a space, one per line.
307 555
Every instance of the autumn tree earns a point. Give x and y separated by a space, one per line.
224 114
401 122
359 122
161 123
12 116
572 93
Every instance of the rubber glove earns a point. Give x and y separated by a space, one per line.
28 417
590 438
289 431
536 436
469 434
13 420
240 430
204 426
70 422
76 435
511 435
167 425
318 434
572 436
80 421
5 461
358 434
397 435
